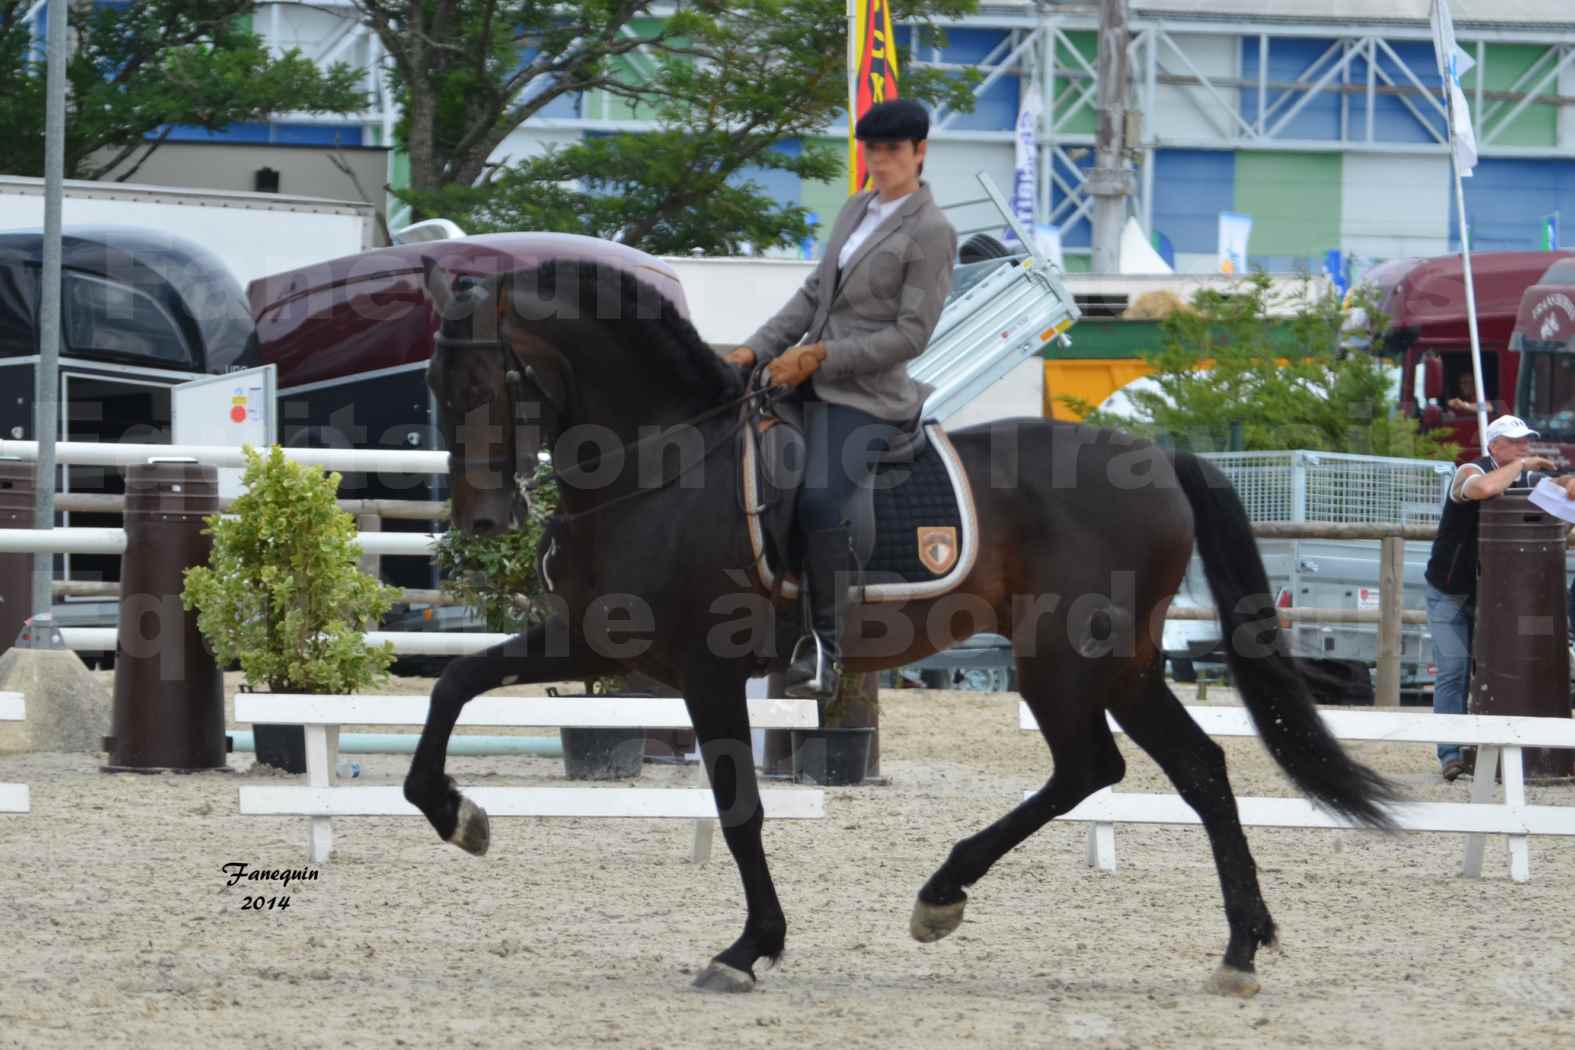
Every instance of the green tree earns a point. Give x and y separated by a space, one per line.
725 84
1268 361
137 70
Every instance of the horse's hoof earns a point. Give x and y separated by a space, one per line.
720 977
931 922
472 833
1228 980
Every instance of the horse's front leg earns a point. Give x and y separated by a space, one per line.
528 659
715 697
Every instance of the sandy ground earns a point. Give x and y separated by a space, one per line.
121 932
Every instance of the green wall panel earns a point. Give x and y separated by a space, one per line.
1294 201
1538 124
629 71
826 198
1086 120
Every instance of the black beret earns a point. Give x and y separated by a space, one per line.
900 119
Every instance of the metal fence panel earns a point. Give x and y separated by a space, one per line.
1336 486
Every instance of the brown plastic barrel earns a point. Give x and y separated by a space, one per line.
169 693
1520 662
16 570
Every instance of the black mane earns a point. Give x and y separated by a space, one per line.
561 298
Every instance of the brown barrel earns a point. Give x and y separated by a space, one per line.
16 570
1520 662
169 693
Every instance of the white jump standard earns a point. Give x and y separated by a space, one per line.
1494 736
13 797
321 800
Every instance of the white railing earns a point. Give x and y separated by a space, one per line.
13 797
117 454
405 643
1493 735
321 800
113 541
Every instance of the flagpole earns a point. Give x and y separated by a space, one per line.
853 96
1445 49
1471 299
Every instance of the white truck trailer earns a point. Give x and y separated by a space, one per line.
253 234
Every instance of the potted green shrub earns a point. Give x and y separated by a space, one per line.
283 594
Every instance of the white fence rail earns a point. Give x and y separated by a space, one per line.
115 454
113 541
406 643
1496 737
321 799
13 797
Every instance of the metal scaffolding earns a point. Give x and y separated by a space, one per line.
1361 65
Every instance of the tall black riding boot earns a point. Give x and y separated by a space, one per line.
830 569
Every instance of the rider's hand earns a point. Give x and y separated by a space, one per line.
1537 463
742 356
796 365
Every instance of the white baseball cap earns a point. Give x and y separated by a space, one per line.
1509 427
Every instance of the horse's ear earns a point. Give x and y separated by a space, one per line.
440 286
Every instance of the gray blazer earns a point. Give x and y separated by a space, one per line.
878 313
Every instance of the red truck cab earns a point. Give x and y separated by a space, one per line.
1425 300
1544 344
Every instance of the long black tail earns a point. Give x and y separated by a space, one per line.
1273 689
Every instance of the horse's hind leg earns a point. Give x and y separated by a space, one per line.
1073 724
1158 723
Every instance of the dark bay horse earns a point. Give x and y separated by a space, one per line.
1085 537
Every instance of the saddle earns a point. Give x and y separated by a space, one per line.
914 527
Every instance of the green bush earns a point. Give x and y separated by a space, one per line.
495 577
283 593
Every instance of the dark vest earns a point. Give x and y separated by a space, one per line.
1452 567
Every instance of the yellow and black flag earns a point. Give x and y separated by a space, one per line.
872 74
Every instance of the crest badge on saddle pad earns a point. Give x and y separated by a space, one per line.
938 548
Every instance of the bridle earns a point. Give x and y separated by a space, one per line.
517 373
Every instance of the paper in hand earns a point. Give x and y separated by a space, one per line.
1549 495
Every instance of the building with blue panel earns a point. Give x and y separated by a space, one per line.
1320 119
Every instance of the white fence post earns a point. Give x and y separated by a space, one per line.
14 798
1499 740
321 798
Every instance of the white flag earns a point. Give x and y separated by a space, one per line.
1235 231
1026 185
1453 63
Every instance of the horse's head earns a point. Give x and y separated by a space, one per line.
497 412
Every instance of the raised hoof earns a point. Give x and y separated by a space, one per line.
472 833
1228 980
720 977
931 922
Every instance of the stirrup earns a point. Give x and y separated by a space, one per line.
816 685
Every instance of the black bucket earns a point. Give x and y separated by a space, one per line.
831 757
602 754
282 747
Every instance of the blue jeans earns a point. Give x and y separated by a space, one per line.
1450 618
